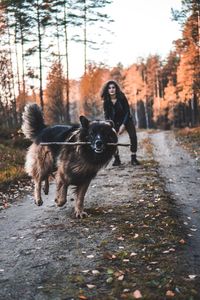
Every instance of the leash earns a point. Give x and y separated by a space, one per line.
82 143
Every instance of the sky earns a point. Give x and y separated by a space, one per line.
140 28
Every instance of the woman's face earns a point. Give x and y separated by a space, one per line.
111 89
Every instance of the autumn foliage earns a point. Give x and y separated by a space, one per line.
162 93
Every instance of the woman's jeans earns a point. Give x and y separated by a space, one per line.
130 128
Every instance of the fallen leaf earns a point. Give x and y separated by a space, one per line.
172 250
192 276
95 272
126 290
153 262
182 241
137 294
126 260
82 297
118 273
141 200
109 280
90 256
120 238
86 271
110 271
91 286
170 293
109 255
5 205
145 226
133 254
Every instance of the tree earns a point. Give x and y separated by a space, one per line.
55 109
189 69
7 100
90 85
88 13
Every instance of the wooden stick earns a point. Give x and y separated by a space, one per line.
65 143
118 144
81 143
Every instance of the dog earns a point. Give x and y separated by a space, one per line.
74 165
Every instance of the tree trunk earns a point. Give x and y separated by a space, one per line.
67 65
40 55
85 37
12 85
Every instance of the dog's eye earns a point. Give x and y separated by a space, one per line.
92 134
87 137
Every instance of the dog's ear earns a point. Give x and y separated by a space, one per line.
84 122
110 122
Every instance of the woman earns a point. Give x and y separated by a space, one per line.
116 108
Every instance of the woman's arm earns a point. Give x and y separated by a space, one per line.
126 109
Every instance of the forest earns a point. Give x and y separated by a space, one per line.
34 62
141 237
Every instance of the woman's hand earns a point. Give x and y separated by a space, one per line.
121 129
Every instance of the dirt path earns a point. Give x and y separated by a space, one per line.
182 177
133 240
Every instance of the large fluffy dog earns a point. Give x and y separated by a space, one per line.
74 164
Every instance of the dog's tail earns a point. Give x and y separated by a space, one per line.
33 121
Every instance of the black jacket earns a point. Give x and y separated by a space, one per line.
119 112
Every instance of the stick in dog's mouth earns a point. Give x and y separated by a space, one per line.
81 143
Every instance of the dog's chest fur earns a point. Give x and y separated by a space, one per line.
76 167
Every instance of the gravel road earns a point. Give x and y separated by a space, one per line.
44 250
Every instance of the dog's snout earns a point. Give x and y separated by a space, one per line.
98 143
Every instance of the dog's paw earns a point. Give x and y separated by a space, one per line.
80 214
46 191
60 203
39 202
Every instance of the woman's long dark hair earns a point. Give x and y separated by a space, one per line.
104 93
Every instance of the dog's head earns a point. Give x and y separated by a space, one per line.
99 134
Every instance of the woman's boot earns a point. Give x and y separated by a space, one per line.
134 160
117 161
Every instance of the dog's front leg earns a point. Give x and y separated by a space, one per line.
37 192
81 191
61 191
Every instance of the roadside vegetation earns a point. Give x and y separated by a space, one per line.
189 138
12 152
12 175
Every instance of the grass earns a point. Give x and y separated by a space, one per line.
11 164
